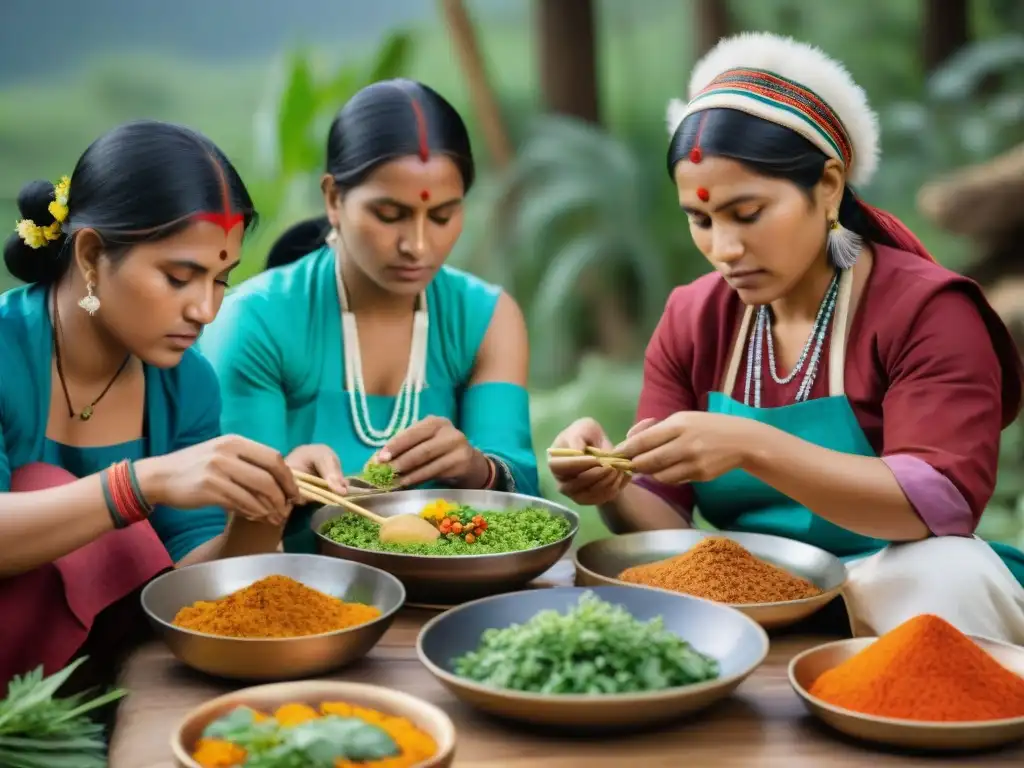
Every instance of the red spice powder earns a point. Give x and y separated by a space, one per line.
924 669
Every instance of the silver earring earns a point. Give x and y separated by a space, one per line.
843 245
89 302
332 238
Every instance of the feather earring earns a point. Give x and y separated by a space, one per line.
843 245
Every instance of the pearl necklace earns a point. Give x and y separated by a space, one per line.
406 411
813 346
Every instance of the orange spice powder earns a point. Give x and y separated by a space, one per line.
722 570
924 669
276 606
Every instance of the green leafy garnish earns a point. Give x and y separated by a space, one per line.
312 744
508 531
380 475
330 738
594 648
240 727
39 730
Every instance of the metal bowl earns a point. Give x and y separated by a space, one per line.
422 714
806 667
441 580
600 563
271 658
738 643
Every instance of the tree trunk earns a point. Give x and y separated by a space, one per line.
568 58
712 22
945 30
481 93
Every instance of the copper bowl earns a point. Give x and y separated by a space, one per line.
422 714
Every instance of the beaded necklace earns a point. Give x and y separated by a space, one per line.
810 356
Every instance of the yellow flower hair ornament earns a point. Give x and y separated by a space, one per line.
36 236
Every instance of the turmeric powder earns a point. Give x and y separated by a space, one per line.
276 606
924 669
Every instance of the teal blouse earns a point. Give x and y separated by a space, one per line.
182 409
277 348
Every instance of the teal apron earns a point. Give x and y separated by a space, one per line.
737 501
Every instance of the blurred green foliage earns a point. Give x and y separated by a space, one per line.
584 230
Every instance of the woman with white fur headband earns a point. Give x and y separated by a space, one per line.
828 382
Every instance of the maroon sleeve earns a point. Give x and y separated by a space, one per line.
667 387
943 410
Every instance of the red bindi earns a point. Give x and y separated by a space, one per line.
703 194
223 255
424 195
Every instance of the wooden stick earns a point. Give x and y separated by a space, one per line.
320 496
319 482
610 460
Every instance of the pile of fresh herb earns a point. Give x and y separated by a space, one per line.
380 475
594 648
312 744
39 730
509 531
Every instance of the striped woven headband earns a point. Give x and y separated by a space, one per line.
780 100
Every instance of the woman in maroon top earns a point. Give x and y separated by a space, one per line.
828 382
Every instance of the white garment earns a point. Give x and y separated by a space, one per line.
959 579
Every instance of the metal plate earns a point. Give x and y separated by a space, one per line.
600 563
808 666
445 581
739 644
271 658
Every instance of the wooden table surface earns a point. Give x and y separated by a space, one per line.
763 724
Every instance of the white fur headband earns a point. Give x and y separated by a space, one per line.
807 69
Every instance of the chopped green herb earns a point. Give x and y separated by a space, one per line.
594 648
380 475
511 531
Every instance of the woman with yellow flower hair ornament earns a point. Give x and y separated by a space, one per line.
109 421
828 382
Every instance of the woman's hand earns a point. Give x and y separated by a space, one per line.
240 475
319 460
583 479
433 449
689 446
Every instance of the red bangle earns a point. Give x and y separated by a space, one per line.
127 502
492 473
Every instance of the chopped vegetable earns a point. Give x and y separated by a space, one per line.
594 648
299 736
380 475
464 531
314 742
38 730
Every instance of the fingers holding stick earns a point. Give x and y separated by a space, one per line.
604 458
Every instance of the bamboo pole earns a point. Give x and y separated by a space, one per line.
481 93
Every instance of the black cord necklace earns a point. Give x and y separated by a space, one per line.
86 413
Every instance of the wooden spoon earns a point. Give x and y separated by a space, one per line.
398 529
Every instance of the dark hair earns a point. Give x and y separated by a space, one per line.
383 121
140 182
768 149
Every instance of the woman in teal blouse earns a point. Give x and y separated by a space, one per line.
112 463
359 337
